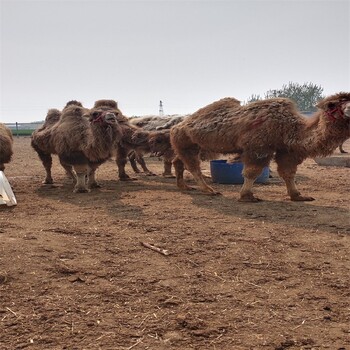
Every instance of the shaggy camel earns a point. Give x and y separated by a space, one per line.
133 139
41 142
155 142
156 123
260 131
6 142
84 139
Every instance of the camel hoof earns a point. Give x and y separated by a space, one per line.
187 188
127 179
95 185
302 199
213 193
81 190
250 199
169 176
47 182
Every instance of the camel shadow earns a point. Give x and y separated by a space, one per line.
305 215
110 197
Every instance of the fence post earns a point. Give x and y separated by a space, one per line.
17 129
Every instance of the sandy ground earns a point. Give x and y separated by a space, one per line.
268 275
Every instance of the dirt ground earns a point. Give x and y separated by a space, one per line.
268 275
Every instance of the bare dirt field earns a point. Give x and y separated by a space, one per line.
268 275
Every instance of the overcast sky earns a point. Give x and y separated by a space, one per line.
185 53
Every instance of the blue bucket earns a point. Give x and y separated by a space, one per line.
231 173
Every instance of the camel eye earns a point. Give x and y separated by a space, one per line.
331 105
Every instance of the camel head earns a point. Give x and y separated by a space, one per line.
103 117
336 106
159 142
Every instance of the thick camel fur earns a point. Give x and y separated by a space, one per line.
133 140
123 146
156 123
41 142
6 142
155 142
260 131
152 123
84 139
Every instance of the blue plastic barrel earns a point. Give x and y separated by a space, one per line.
231 173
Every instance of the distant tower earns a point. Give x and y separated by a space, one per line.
161 112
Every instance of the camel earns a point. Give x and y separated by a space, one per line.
154 142
133 139
156 123
6 143
260 131
41 142
84 139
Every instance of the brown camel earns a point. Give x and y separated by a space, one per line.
41 142
155 142
84 139
260 131
133 139
6 142
156 123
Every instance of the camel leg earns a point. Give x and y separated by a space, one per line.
92 182
179 172
69 171
190 159
121 160
132 160
80 186
167 168
250 174
142 162
46 159
287 168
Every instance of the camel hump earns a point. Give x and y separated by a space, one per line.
73 103
106 103
53 115
278 103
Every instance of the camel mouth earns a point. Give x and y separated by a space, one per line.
346 111
104 117
110 117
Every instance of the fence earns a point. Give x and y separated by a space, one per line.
23 129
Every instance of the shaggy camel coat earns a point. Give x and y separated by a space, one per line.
133 139
260 131
156 123
85 139
41 142
6 142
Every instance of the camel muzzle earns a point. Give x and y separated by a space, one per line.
110 118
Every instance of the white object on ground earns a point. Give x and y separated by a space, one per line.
6 195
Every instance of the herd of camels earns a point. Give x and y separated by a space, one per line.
258 132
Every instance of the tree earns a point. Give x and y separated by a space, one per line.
305 96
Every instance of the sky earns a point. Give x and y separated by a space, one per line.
185 53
